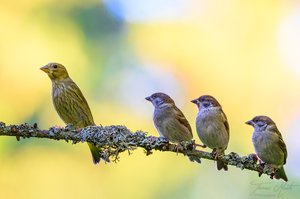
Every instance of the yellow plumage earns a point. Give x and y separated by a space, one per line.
69 101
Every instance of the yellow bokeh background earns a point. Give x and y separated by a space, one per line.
245 53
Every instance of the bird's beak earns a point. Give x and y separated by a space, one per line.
45 69
250 122
195 101
148 98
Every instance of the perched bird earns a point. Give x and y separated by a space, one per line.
169 120
69 102
269 145
212 127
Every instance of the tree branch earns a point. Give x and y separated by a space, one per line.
113 140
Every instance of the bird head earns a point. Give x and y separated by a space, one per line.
160 100
55 71
261 122
206 101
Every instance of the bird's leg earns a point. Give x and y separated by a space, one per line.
253 157
261 163
256 159
214 153
195 145
177 147
71 127
217 154
273 173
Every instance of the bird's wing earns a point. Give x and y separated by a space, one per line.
282 146
181 118
226 124
82 110
281 143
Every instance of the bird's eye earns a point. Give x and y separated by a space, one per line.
55 66
206 104
260 124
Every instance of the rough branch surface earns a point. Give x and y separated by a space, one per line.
113 140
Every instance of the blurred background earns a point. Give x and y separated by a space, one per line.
245 53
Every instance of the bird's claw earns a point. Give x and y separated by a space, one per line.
261 163
195 145
214 154
272 175
253 157
178 147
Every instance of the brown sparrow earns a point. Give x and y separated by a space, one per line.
212 127
269 145
169 120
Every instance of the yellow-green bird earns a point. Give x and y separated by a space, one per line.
69 101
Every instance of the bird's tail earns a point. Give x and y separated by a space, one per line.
219 163
280 174
95 153
195 159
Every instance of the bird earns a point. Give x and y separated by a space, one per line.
269 145
69 102
169 120
212 127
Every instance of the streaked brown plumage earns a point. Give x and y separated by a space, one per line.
69 101
269 145
169 120
212 127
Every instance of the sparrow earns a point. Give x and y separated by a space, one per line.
170 121
69 102
269 145
212 127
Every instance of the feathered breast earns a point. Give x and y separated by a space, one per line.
70 104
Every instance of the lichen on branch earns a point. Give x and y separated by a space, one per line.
115 139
